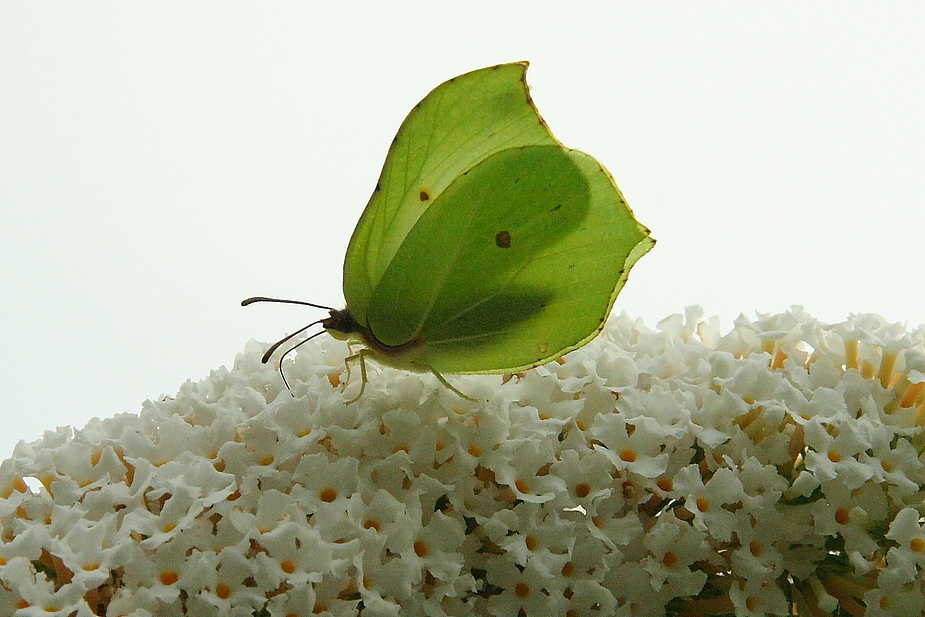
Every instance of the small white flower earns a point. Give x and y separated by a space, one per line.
517 463
635 445
757 597
527 589
836 456
674 548
708 501
906 560
896 601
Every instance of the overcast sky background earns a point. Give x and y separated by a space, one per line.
161 162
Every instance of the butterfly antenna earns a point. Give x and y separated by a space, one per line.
291 349
283 301
277 344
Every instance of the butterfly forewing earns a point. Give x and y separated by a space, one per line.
458 125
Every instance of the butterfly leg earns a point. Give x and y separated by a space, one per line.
449 385
360 357
352 356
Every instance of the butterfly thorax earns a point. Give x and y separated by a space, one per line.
343 326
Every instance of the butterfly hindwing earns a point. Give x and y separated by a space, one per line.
458 273
519 262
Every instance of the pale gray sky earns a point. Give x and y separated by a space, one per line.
160 162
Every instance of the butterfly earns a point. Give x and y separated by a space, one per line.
487 246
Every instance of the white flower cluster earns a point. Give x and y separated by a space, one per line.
774 470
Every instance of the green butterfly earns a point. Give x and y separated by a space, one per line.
487 246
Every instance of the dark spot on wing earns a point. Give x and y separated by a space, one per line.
503 239
425 196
